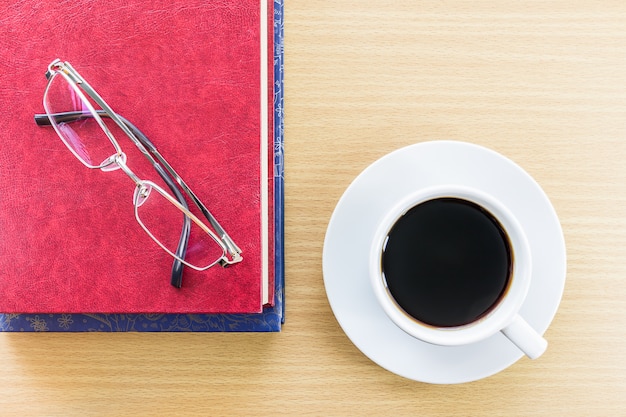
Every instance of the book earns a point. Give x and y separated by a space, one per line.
270 319
68 244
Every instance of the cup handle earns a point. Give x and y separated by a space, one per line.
525 338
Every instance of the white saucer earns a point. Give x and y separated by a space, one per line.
351 230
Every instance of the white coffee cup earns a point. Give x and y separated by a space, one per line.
502 317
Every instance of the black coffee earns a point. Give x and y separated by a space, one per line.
447 262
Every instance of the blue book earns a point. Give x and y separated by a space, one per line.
269 320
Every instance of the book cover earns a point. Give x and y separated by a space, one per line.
190 76
269 320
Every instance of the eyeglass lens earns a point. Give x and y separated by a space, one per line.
84 137
162 220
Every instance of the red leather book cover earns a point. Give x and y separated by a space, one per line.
188 75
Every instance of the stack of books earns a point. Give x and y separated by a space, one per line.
203 81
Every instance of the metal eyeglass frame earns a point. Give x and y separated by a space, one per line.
231 252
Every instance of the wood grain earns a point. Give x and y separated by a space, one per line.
544 83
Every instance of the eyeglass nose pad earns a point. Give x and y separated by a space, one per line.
142 192
113 162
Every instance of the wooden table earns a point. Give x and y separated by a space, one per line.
543 83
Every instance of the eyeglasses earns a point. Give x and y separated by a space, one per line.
88 127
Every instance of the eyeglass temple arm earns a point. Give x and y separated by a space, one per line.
231 246
73 116
177 266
